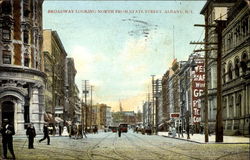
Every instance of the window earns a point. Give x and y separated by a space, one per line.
245 25
224 74
236 68
6 33
244 62
26 9
230 71
6 57
25 36
6 7
26 59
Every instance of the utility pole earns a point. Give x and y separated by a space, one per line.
148 108
85 92
156 105
153 106
91 105
157 95
219 119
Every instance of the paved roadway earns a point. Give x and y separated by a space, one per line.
130 146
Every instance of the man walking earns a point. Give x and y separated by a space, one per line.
46 134
31 134
7 132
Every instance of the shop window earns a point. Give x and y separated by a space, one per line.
25 36
230 71
6 57
6 33
236 68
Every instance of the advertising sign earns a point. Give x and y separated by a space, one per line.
198 86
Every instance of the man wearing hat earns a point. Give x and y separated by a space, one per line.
46 134
31 134
7 131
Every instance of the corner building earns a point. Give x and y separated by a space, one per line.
21 67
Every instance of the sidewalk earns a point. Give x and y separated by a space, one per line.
200 138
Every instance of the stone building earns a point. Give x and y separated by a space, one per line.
236 70
55 68
21 64
72 89
235 64
213 10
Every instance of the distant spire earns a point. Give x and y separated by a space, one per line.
120 105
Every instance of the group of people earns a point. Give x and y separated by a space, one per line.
7 131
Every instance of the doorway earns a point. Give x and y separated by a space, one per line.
8 111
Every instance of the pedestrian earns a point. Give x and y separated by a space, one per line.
119 131
46 134
60 130
31 134
7 131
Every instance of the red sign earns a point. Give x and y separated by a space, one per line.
198 86
174 115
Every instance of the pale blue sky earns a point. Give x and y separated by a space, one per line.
118 64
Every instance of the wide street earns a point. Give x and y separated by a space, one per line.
129 146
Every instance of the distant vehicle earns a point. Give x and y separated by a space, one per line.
124 127
113 128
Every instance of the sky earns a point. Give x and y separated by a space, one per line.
118 45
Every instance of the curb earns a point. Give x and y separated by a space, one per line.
188 140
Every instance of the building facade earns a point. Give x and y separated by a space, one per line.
55 69
236 70
21 64
213 10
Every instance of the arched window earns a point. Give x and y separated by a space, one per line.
230 71
243 62
236 67
6 7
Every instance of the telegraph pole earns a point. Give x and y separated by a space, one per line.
219 118
91 106
156 104
85 92
153 106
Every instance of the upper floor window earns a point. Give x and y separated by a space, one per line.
6 57
224 75
26 36
244 25
26 59
6 7
230 71
6 33
244 62
236 68
26 8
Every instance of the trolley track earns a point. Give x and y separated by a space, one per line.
165 149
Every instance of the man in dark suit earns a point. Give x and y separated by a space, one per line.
7 131
31 134
46 134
